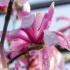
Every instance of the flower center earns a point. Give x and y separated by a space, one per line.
36 46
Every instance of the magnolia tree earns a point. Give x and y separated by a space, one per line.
32 45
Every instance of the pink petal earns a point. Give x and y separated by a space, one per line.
64 29
11 35
63 18
47 18
17 46
63 41
35 37
45 60
38 20
55 38
40 37
22 14
36 26
30 33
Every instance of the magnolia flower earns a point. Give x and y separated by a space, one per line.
31 31
34 33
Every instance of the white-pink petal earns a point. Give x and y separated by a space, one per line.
16 45
28 20
26 7
38 20
46 22
50 38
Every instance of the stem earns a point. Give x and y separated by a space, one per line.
29 49
7 18
33 47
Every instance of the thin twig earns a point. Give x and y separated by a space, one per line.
25 52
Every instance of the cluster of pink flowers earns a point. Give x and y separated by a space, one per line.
34 33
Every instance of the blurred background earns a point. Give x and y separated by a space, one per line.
62 8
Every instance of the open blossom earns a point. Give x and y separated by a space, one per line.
34 33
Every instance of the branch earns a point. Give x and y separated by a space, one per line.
33 47
7 18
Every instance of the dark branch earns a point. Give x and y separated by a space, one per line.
61 49
34 48
25 52
7 18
